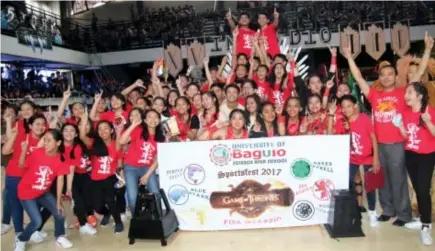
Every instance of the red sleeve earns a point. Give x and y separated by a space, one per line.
128 107
106 116
205 88
287 93
77 161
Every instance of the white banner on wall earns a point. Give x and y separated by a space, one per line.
253 183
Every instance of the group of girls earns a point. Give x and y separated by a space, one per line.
95 158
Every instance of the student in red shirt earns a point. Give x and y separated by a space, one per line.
43 166
76 108
235 130
143 103
290 120
106 156
218 90
132 93
77 156
143 132
261 78
386 103
191 90
211 112
171 97
117 115
364 148
249 87
197 103
188 123
267 126
269 31
418 127
314 123
245 35
14 171
280 91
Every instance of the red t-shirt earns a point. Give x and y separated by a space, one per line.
141 153
80 162
13 168
360 140
128 107
271 42
22 130
193 109
292 126
263 88
420 140
105 166
241 101
110 116
340 122
278 97
244 41
205 88
71 120
41 172
317 125
385 106
230 134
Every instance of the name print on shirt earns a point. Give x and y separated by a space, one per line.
247 39
42 179
356 148
147 150
413 141
386 109
104 165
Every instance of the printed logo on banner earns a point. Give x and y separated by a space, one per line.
322 189
178 194
194 174
303 210
251 198
220 155
301 169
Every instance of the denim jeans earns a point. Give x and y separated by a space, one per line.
32 208
6 217
132 177
11 186
371 196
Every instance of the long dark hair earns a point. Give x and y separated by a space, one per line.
57 135
99 148
215 103
240 111
26 121
142 117
169 93
421 90
287 116
189 107
272 77
159 136
76 141
165 112
33 119
275 121
120 97
257 100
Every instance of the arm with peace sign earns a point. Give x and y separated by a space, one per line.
83 134
229 17
275 18
137 84
8 146
63 104
97 98
428 45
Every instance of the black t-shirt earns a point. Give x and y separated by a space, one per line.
194 122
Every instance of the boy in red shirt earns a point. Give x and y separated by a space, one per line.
386 103
363 147
245 36
269 31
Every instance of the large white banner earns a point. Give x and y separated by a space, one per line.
253 183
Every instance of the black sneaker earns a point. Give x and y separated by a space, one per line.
362 209
399 223
105 221
384 218
119 227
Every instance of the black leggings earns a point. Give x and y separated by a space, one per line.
81 193
420 170
103 193
120 200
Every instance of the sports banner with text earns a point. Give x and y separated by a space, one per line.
253 183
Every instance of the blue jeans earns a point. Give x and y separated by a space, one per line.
132 177
11 186
32 208
371 196
6 217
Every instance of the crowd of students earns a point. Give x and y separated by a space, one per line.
96 157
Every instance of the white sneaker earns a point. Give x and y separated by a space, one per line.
415 224
63 242
373 218
20 245
6 228
124 217
426 236
37 237
87 229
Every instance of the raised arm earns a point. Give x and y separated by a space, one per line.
428 41
8 146
125 136
93 114
63 104
207 71
275 18
362 83
130 88
230 20
82 130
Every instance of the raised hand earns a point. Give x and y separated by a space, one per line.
332 107
257 127
67 93
397 120
25 144
224 60
139 83
229 16
330 83
98 97
275 14
428 42
347 51
333 51
206 60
